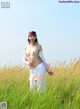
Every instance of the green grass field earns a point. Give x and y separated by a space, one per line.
63 88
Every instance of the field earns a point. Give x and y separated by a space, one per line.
63 88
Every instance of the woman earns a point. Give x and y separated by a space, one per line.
33 57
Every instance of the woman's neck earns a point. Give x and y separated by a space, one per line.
33 43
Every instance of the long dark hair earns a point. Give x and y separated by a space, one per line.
36 40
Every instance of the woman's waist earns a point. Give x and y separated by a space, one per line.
33 59
35 64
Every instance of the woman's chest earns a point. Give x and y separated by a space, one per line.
32 51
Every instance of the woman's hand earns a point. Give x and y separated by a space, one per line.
50 72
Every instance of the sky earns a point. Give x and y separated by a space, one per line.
57 26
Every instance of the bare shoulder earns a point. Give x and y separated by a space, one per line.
25 48
39 47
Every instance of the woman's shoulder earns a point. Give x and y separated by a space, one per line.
26 47
24 50
39 46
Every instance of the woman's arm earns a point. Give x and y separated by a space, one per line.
25 57
48 69
43 59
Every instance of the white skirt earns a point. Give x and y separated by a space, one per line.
38 72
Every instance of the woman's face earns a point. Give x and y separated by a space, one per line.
32 38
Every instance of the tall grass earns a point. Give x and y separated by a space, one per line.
63 88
